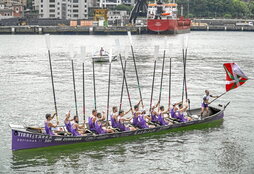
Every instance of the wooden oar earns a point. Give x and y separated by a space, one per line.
94 86
109 76
156 51
74 87
162 73
123 81
135 66
83 55
47 39
124 74
169 83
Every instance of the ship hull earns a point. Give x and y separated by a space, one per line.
168 26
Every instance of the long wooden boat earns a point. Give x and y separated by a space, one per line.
25 138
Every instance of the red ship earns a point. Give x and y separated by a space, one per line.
162 18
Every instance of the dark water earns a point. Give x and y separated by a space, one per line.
26 95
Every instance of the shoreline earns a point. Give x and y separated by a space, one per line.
58 30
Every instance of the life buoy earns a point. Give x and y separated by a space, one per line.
165 14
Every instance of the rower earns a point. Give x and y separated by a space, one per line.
180 113
101 51
154 116
136 114
174 110
142 124
99 128
113 117
92 119
205 102
76 129
67 121
49 125
161 119
121 125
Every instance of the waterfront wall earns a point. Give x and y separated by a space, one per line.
105 30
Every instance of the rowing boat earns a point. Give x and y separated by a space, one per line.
27 138
98 57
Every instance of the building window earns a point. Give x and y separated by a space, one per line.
52 1
52 16
52 10
52 5
75 11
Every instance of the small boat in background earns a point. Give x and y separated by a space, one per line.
102 56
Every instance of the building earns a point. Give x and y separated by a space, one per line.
36 5
63 9
8 10
117 17
10 2
114 3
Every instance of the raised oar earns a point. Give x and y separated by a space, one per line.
185 65
184 50
156 51
83 55
94 86
47 39
74 87
109 75
121 98
117 42
135 66
162 73
124 74
169 83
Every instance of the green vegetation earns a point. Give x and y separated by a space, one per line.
218 8
124 7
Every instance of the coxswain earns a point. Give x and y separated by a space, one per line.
205 102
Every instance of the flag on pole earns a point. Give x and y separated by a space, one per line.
234 76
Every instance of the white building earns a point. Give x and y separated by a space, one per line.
63 9
77 9
36 4
114 3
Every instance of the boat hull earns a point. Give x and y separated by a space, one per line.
22 139
168 26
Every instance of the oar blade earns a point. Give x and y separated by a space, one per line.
156 52
126 53
83 52
47 40
130 38
110 55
